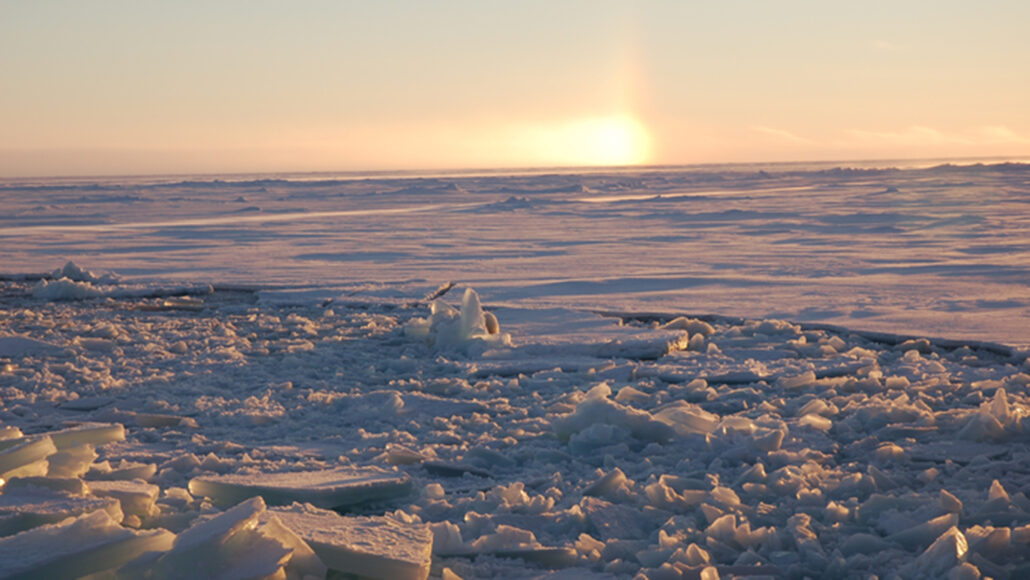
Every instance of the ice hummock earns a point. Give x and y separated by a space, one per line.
331 488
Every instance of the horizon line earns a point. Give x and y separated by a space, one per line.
355 174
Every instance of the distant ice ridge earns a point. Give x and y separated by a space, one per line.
73 272
449 329
71 283
74 283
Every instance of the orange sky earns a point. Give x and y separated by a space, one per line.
251 86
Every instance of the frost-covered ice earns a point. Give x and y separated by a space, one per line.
847 397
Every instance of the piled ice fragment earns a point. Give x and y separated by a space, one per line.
55 524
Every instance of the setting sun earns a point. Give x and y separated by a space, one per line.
599 141
618 140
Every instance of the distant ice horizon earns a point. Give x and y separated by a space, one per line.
414 173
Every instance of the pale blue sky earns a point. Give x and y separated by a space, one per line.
144 87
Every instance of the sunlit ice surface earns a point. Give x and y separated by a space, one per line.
941 250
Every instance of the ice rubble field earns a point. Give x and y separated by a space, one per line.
315 412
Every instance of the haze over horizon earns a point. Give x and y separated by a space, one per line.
240 87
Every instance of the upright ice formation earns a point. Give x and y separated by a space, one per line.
448 328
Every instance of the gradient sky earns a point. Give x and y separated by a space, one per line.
136 86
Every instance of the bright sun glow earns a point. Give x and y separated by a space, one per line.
616 140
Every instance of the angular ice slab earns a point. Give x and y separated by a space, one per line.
327 489
121 470
88 433
374 547
136 497
505 542
946 552
72 462
24 452
25 508
76 547
229 545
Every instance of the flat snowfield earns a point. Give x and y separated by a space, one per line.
662 374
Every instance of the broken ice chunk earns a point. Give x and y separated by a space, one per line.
817 422
610 483
598 409
327 489
997 493
229 545
26 507
77 547
304 563
136 497
147 420
925 533
87 433
691 325
25 452
673 492
996 419
768 439
950 503
68 485
400 455
863 544
805 379
72 462
687 418
374 547
946 552
615 521
512 542
122 470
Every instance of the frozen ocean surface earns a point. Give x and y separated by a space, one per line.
940 251
780 371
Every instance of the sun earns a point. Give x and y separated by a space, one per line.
599 141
